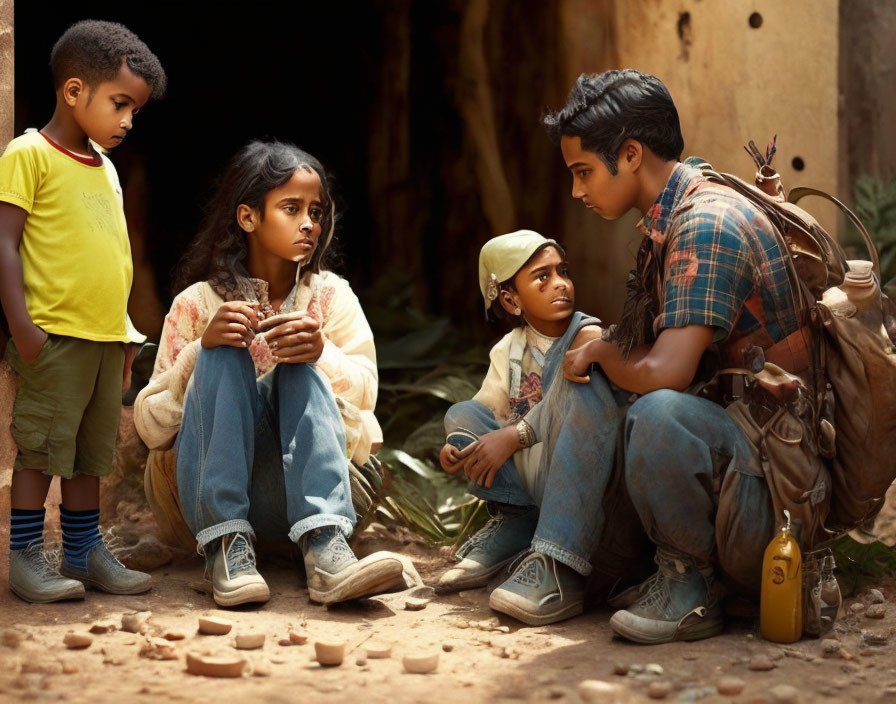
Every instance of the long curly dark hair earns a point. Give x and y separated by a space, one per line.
220 249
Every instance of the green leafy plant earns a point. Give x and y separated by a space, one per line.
875 204
424 368
862 564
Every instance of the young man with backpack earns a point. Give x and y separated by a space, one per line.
712 288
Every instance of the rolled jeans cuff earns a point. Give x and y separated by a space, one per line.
235 525
299 528
580 565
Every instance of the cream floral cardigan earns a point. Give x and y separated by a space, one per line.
348 361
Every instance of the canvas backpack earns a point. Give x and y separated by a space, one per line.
824 431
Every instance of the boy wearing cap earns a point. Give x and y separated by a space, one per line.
524 458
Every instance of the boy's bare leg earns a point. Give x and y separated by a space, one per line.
29 489
81 493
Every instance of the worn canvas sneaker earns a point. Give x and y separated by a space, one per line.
33 578
506 535
335 574
679 603
540 591
104 572
235 580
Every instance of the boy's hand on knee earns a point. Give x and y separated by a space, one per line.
490 452
233 325
294 337
29 342
451 459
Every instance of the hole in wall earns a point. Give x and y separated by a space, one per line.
755 20
798 164
684 34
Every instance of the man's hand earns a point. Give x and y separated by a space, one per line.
233 325
577 361
488 454
29 341
293 337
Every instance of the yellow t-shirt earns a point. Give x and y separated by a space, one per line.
76 257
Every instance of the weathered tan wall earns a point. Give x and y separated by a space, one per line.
731 83
867 76
7 44
7 389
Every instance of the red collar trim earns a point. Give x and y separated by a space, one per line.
88 160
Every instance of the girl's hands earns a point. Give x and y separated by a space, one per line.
487 454
293 337
234 325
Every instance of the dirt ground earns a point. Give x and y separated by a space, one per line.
481 658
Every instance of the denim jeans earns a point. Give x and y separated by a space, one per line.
579 425
267 453
678 448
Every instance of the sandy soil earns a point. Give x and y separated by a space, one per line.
476 662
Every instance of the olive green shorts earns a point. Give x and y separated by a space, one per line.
66 413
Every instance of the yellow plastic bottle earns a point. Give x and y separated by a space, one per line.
781 608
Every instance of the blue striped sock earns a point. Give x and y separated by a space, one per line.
80 532
25 526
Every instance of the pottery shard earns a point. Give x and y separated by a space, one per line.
421 664
158 649
874 638
829 646
261 668
876 596
761 663
731 686
329 653
659 690
215 666
101 627
174 635
75 641
378 651
135 622
414 604
876 611
597 691
783 694
297 638
213 626
249 641
11 638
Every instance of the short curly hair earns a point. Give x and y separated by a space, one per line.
605 109
93 51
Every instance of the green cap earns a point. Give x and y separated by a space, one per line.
503 256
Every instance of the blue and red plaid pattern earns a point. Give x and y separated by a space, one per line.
722 265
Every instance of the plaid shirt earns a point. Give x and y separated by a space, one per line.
721 264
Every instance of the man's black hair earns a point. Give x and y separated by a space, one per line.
93 51
605 109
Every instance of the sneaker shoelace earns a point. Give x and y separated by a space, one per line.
480 537
240 556
39 561
531 571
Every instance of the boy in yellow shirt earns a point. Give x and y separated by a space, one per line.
65 277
